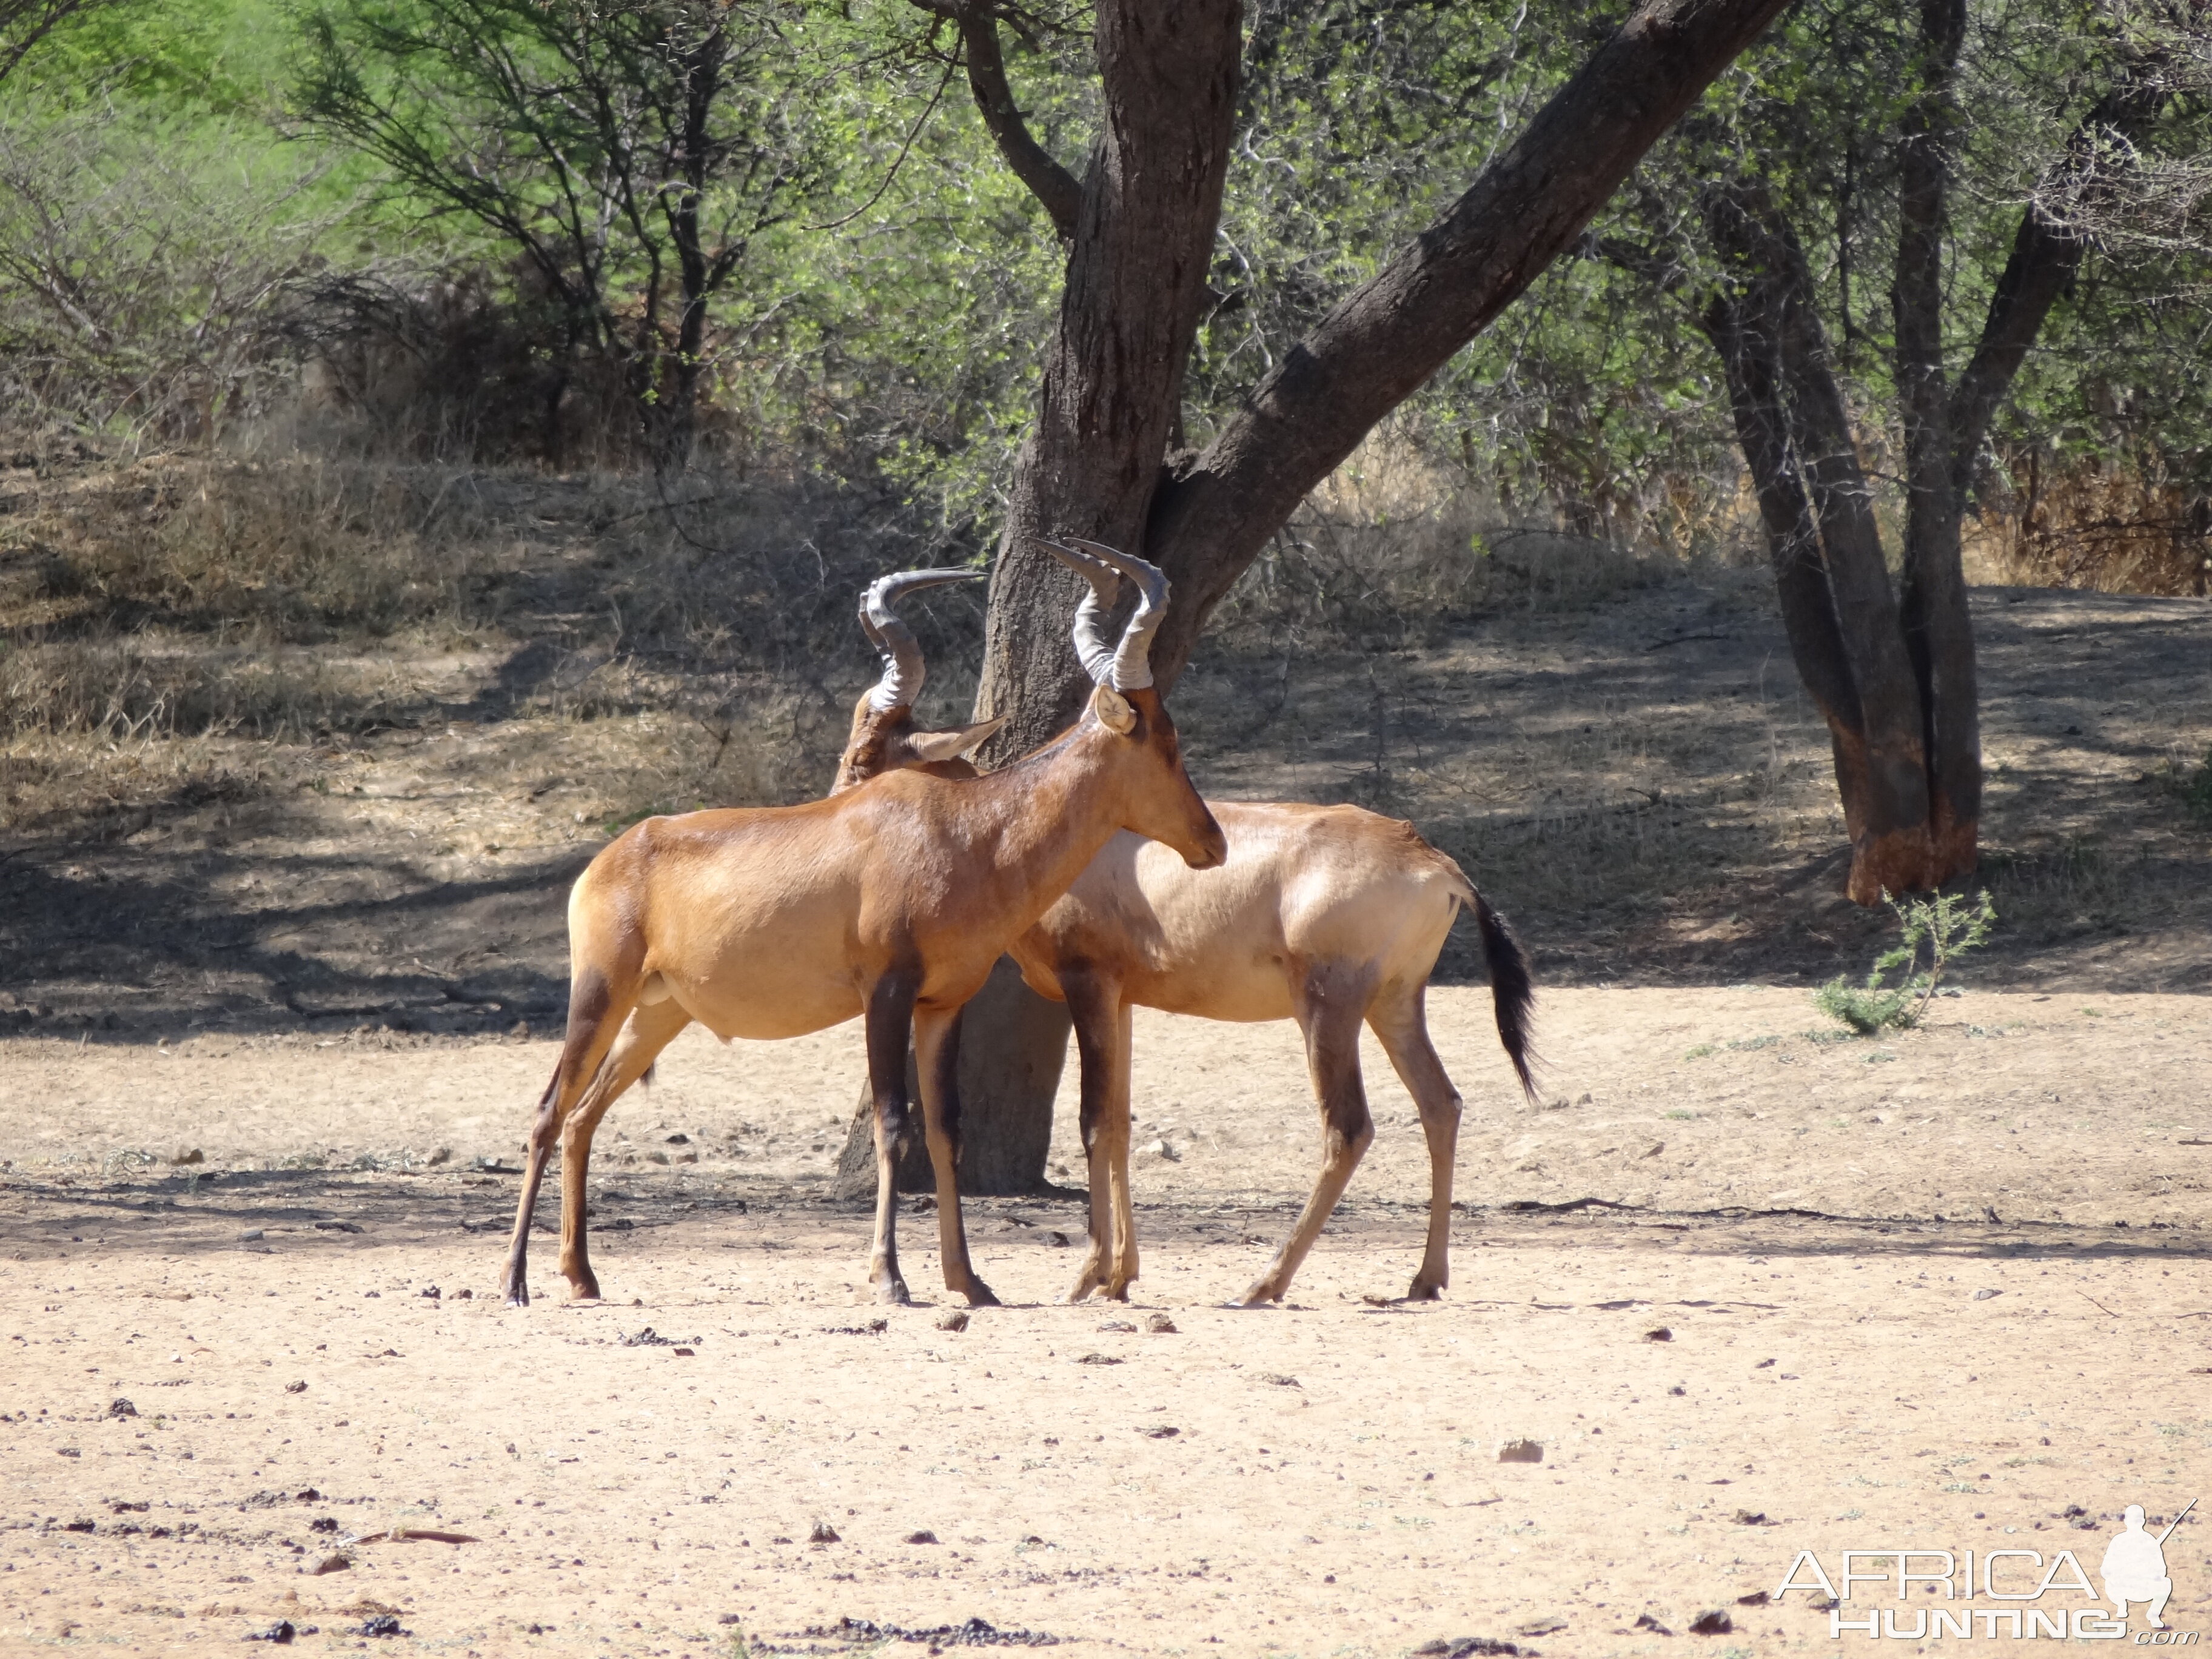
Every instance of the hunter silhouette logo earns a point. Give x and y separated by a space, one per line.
2134 1568
2026 1586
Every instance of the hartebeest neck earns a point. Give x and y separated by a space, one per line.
1037 823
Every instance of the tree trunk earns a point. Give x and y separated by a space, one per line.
1830 573
1143 240
1894 675
1004 1136
1939 633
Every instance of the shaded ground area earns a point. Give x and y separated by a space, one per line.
1635 779
1750 1289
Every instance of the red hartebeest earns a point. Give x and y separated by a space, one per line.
892 900
1330 915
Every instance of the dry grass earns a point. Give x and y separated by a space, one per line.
2098 527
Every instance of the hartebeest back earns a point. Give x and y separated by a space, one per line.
1327 915
890 900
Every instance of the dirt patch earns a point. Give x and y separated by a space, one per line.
1942 1290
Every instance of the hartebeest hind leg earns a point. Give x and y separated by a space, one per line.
1329 1001
1103 1044
1399 1024
937 1064
595 1014
889 1021
638 1045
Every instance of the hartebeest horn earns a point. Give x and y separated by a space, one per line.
903 670
1127 666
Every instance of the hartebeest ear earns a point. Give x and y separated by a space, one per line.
1112 710
928 747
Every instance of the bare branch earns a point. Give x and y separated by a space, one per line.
1060 191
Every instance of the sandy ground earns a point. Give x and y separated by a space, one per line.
1947 1290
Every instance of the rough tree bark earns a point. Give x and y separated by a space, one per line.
1892 672
1098 465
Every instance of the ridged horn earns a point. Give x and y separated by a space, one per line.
1092 648
903 670
1133 656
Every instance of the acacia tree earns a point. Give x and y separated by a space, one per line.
1890 666
629 152
1139 222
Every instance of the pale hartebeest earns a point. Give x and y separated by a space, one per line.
890 900
1328 915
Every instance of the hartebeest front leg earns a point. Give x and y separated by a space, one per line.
937 1064
1330 1006
1399 1025
889 1023
1095 1007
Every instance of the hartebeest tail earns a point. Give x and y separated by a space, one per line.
892 901
1512 988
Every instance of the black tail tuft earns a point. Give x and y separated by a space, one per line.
1511 990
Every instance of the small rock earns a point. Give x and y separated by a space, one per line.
1160 1325
1057 1239
281 1632
1098 1359
1659 1334
678 1139
1278 1380
1985 1293
295 1388
954 1320
249 1235
339 1563
443 1155
1756 1599
1540 1627
1645 1621
323 1523
464 1295
924 1536
384 1623
122 1408
1715 1622
1117 1325
196 1156
1160 1432
1751 1518
432 1293
1521 1451
823 1533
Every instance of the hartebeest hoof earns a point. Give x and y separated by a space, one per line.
518 1296
979 1295
892 1293
1262 1295
1420 1290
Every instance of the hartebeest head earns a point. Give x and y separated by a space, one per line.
1159 800
884 738
1123 702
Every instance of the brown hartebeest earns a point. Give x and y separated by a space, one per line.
1329 915
884 737
892 900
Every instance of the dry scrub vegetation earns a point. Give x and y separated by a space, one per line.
333 733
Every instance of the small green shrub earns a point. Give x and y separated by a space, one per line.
1949 926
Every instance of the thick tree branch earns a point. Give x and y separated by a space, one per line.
1388 337
2045 254
1060 191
